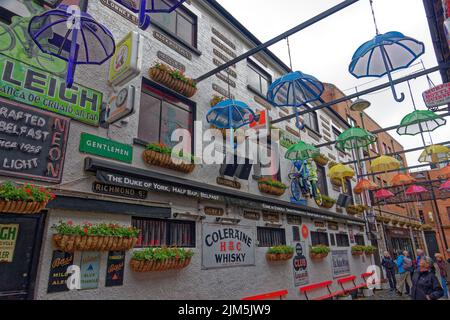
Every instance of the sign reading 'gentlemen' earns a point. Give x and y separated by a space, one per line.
32 142
106 148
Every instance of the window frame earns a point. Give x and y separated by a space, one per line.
262 75
339 242
319 234
322 174
359 237
281 230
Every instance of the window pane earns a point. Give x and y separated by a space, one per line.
149 115
172 118
185 30
359 239
254 79
269 237
264 85
322 180
319 238
166 20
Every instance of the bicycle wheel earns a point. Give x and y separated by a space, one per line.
7 39
316 194
295 190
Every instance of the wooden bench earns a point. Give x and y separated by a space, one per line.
351 279
277 294
320 285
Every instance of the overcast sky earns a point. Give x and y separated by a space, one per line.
326 48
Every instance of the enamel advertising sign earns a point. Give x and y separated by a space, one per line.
437 96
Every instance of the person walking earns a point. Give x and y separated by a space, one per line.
420 253
442 270
389 266
425 284
404 265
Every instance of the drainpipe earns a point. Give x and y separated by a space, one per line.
437 220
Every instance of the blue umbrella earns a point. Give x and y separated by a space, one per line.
230 114
294 90
142 7
385 54
73 36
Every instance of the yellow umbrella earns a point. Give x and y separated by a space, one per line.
341 171
435 154
384 164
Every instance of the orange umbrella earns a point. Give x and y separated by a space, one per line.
401 179
445 172
364 185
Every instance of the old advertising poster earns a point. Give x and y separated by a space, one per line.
8 238
340 263
90 269
115 268
57 281
300 264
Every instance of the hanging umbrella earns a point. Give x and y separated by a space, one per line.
294 89
402 179
341 172
445 186
142 7
384 194
354 138
365 185
73 36
445 172
301 151
415 190
385 54
384 164
230 114
420 121
435 154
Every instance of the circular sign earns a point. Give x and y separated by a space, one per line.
122 97
305 231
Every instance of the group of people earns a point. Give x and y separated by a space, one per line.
421 278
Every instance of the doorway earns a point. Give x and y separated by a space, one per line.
432 244
20 245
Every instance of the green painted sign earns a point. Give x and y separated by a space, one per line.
106 148
26 84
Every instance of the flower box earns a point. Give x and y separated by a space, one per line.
24 207
280 253
318 256
327 202
358 250
160 259
319 252
321 160
28 199
336 182
353 210
173 79
272 187
161 156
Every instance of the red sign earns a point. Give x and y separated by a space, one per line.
263 122
437 96
305 231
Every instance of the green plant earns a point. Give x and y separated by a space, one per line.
28 193
281 250
162 148
358 249
160 254
176 74
216 99
272 183
319 249
89 229
328 199
370 249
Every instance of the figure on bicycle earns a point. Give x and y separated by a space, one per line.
304 181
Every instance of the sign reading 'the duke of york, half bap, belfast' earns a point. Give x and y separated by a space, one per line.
26 84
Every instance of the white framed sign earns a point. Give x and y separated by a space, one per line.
437 96
227 246
121 104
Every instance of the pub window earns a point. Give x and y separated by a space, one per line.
271 170
170 233
322 180
332 239
348 191
295 233
257 79
319 238
160 115
342 240
180 22
310 120
359 239
269 237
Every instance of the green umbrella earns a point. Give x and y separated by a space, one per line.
420 121
354 138
301 151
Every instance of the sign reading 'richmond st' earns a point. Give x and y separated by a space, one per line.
29 85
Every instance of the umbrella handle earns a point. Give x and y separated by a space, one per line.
388 70
144 19
72 58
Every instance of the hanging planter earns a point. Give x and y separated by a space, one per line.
426 227
173 79
215 100
358 250
327 202
319 252
280 253
160 259
370 250
336 182
272 187
394 222
353 210
321 160
401 223
157 154
28 199
89 237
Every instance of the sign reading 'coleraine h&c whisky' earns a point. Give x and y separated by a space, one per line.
29 85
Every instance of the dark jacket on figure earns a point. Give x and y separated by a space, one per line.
426 284
388 264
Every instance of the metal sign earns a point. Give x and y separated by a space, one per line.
437 96
111 4
8 239
340 263
90 269
127 60
300 264
213 211
106 148
115 268
102 188
121 104
227 246
32 142
57 280
31 86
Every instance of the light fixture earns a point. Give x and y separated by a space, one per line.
227 220
360 105
189 215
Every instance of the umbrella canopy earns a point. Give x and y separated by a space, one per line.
384 194
435 154
301 151
341 172
73 36
401 179
354 138
420 121
294 90
415 190
384 54
445 186
385 163
365 185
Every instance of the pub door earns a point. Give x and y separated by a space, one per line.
432 245
20 245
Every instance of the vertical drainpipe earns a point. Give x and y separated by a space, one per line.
437 217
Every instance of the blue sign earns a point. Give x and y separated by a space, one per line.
90 270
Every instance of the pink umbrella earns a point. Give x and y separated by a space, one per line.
445 186
383 194
415 190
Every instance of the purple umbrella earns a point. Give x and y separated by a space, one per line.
72 35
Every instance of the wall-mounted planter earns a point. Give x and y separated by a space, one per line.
327 202
26 199
318 256
160 265
279 256
321 160
71 243
272 190
22 207
173 79
165 161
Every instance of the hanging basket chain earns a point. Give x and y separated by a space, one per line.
374 18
